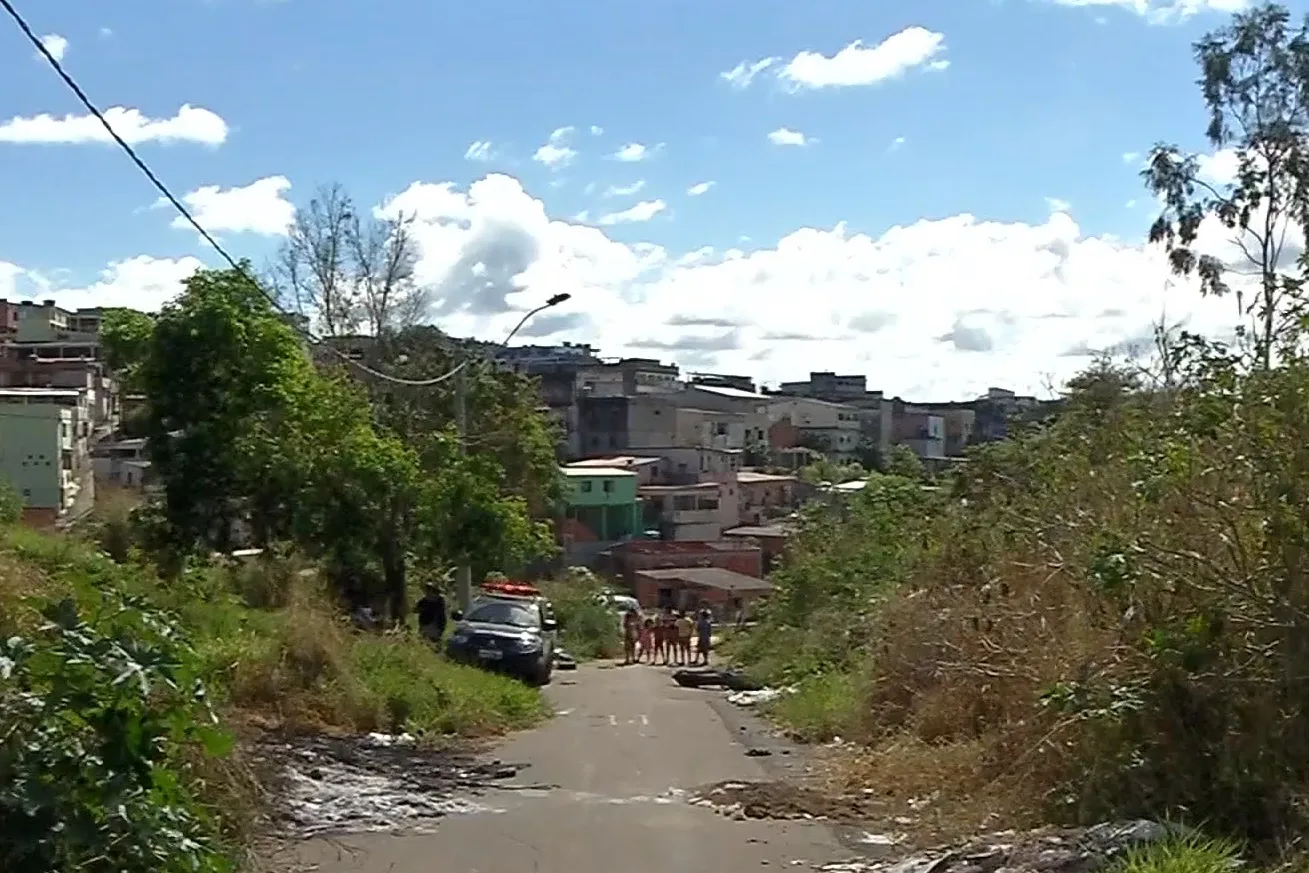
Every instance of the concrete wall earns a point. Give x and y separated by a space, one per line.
33 442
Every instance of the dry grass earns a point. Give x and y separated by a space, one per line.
952 710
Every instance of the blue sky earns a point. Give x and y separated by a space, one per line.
998 137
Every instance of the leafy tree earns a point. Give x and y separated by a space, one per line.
125 335
901 461
220 372
1255 77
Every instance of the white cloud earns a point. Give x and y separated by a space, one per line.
259 207
1220 168
479 151
596 130
141 282
784 136
745 72
699 188
643 211
1131 157
896 144
106 32
1057 205
856 64
556 153
624 190
55 44
190 124
635 151
1164 11
931 310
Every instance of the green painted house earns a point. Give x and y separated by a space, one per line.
604 501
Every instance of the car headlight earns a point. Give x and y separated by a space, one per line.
529 642
458 639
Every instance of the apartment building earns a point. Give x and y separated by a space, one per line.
694 511
44 452
832 428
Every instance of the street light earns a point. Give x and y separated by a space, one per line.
464 573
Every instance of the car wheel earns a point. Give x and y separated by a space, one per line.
541 674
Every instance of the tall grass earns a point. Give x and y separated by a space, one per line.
1107 617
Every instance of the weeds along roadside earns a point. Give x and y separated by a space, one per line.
289 663
1106 618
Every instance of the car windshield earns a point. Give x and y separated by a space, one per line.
505 612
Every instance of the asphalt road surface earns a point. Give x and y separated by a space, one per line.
625 744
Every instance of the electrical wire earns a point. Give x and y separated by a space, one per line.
208 237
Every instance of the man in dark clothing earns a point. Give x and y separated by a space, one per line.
431 613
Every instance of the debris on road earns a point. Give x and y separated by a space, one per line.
1047 850
757 696
733 680
781 800
377 782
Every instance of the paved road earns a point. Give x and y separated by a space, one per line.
624 741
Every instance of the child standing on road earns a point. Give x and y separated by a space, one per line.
684 628
648 640
631 631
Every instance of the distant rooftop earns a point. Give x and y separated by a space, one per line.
746 477
728 392
710 577
617 461
583 472
26 393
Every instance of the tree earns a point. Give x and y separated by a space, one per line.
125 336
219 372
901 461
1255 78
345 271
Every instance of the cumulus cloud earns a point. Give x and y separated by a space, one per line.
141 282
856 64
784 136
56 45
699 188
191 124
643 211
556 153
259 207
901 306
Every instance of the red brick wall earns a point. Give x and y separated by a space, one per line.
783 435
744 558
40 517
646 591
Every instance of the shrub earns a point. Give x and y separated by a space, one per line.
11 504
97 710
588 628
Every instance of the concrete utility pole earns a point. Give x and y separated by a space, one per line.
464 573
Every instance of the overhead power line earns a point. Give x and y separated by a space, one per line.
209 238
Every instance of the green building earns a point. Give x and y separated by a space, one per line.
38 449
603 499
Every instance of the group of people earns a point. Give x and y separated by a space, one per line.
676 638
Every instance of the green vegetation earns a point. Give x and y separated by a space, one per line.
1106 616
1192 854
130 666
588 626
107 656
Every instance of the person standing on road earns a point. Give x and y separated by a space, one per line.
431 613
704 630
647 640
685 627
631 633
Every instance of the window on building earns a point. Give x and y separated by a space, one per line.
608 486
585 486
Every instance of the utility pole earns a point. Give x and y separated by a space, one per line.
464 573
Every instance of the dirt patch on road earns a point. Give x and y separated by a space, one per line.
781 800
